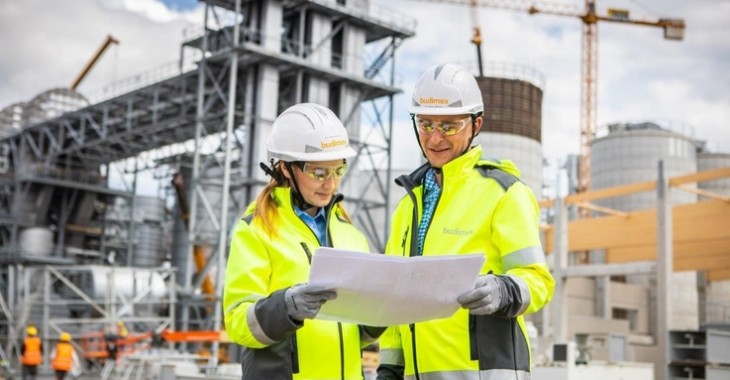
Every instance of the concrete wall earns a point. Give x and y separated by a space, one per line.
718 302
685 306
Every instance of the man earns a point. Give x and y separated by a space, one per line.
31 353
459 204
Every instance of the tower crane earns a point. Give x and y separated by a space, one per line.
673 30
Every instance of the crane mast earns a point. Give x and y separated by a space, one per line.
477 38
588 94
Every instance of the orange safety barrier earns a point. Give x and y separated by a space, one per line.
191 336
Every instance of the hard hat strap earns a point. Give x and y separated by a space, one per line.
297 196
418 138
474 131
272 172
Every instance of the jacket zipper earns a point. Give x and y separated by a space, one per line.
412 326
342 351
294 353
293 341
307 251
405 238
473 342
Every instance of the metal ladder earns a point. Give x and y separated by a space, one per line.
108 369
125 370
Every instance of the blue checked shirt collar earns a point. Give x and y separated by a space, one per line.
431 193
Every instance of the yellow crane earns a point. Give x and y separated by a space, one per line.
673 30
104 45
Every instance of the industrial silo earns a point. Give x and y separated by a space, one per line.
11 118
630 152
710 161
716 293
101 284
513 119
36 242
50 104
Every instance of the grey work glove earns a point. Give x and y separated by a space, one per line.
485 298
304 301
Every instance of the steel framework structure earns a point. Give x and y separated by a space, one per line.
220 114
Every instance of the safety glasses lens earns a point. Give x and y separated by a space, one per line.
445 128
322 173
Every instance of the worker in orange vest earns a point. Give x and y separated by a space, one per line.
64 358
122 330
31 353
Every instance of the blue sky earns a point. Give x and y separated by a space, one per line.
180 5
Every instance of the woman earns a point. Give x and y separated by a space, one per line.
269 308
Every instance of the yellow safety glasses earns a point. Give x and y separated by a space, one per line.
447 128
322 173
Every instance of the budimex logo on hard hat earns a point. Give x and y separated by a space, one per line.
332 143
432 100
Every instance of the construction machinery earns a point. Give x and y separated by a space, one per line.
673 30
104 45
100 346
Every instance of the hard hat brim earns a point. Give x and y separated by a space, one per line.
339 154
443 111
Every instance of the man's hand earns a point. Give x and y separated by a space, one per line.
485 298
304 301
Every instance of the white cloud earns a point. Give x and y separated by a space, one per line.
52 41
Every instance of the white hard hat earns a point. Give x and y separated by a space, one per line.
446 89
308 132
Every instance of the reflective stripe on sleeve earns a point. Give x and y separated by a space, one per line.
392 357
523 257
492 374
255 326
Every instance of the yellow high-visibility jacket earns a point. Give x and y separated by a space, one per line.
483 208
260 269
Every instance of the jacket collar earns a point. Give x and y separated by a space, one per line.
454 169
462 165
283 198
